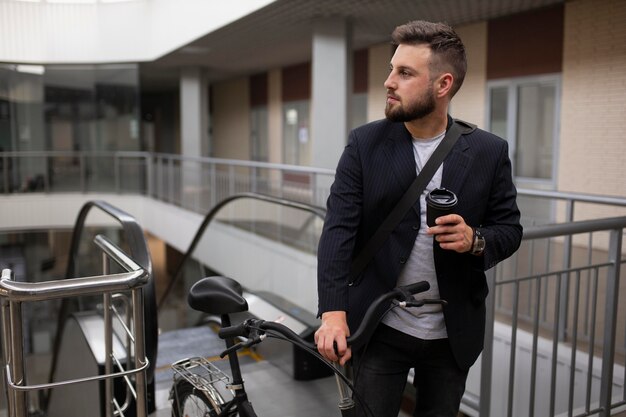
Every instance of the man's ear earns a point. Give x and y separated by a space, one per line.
443 84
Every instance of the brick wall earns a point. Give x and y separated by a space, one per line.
592 151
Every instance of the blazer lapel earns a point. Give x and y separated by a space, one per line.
399 152
456 166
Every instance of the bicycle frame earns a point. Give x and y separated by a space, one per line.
223 296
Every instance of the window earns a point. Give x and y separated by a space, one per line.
524 112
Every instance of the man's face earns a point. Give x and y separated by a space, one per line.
409 87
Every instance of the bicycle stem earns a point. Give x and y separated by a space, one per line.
346 403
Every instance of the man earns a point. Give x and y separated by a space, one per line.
378 164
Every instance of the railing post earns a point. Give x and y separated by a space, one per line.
213 174
17 359
486 362
170 181
610 314
108 344
141 383
83 172
253 176
159 180
6 336
231 180
149 175
5 174
567 263
46 175
116 172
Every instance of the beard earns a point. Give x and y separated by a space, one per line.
418 109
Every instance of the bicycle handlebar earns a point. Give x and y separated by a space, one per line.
376 310
358 339
234 331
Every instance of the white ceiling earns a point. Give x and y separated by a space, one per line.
280 33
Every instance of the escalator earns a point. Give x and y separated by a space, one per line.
268 244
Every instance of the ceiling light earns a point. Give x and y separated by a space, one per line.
31 69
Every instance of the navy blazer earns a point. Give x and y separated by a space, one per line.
374 171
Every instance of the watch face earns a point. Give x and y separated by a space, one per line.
480 244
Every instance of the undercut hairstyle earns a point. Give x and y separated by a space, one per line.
447 49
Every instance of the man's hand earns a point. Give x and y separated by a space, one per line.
452 233
333 332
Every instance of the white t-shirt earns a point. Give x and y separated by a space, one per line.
423 322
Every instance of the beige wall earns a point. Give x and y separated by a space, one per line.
231 119
377 71
470 102
592 145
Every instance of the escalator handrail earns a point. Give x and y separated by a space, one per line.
139 253
315 210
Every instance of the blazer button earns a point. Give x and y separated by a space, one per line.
402 260
415 227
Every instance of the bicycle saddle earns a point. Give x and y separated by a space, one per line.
217 295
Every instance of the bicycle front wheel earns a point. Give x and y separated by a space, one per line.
189 401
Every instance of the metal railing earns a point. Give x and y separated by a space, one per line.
14 294
199 183
574 274
194 183
133 237
574 373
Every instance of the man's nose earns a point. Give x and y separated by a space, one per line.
389 83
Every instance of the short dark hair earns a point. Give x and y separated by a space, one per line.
448 51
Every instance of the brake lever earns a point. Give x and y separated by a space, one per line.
255 339
231 349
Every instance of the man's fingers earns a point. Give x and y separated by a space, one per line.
332 348
328 350
346 357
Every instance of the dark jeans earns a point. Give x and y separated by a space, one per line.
381 373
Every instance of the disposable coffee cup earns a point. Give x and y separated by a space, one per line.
439 202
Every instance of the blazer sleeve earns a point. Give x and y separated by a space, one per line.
337 241
501 225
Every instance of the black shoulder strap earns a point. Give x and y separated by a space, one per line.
409 198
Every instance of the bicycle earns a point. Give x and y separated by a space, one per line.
196 390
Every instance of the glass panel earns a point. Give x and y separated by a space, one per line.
92 108
535 130
296 133
498 122
276 246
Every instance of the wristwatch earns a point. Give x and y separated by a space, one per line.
478 245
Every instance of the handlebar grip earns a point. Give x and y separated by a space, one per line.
417 287
234 331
